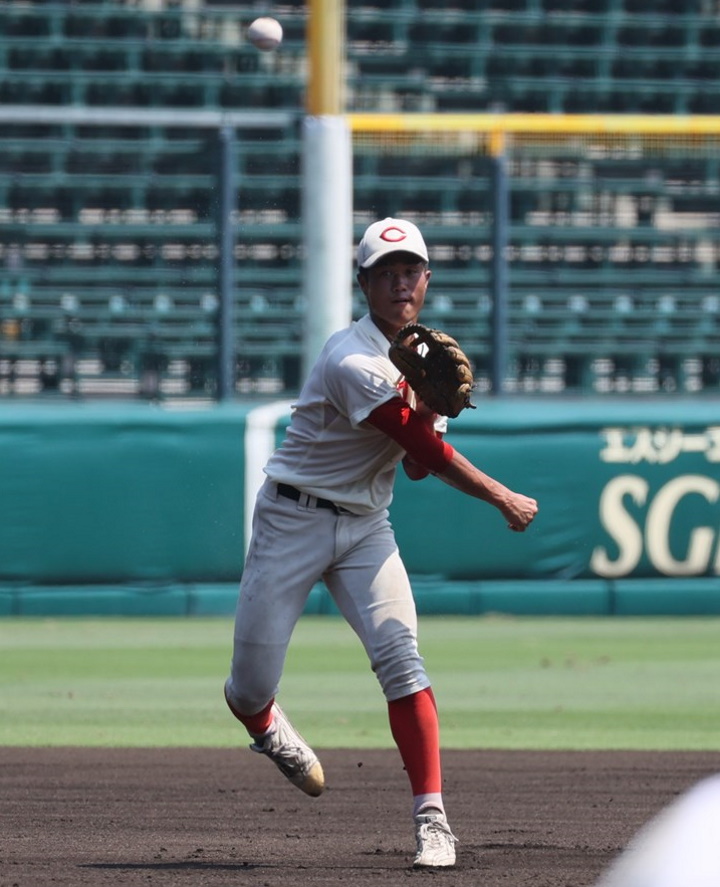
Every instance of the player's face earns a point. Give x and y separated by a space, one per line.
395 291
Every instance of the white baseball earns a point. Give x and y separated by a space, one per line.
265 33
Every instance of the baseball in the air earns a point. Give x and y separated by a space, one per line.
265 33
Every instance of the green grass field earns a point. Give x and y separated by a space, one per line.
501 682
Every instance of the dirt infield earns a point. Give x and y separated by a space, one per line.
196 817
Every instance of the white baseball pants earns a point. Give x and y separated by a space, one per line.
293 546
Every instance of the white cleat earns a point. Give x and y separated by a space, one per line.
435 841
291 755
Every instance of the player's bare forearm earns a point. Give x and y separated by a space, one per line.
517 509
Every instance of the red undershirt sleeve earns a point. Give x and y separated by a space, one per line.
400 422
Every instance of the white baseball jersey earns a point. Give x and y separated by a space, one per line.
327 451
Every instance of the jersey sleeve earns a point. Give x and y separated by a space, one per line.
400 422
359 383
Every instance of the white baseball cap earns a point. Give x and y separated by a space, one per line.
390 236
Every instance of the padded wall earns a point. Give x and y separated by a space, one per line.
103 505
109 494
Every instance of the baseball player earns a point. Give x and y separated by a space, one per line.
322 514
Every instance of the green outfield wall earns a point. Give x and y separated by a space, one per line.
139 509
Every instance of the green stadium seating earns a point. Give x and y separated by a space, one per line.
110 274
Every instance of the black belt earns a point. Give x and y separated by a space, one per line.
292 493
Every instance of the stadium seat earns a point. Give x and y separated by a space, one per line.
108 244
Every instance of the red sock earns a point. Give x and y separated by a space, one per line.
415 729
256 724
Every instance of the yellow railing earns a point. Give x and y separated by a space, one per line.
567 124
496 133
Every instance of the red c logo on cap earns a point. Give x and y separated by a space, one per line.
393 235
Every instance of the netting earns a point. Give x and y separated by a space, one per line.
612 241
110 256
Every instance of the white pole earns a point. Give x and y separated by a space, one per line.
328 231
260 443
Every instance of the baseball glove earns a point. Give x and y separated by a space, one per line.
439 374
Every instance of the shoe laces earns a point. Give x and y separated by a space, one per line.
290 757
435 831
